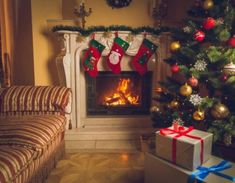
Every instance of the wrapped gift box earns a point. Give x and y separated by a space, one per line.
189 151
159 170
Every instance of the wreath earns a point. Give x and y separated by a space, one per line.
118 3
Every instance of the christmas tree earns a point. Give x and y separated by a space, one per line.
201 90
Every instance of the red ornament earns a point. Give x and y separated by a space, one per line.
231 42
199 36
224 77
209 23
175 68
193 81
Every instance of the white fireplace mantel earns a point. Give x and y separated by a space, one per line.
71 72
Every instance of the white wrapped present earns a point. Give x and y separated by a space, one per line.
185 147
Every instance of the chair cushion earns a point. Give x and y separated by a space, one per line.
13 160
34 132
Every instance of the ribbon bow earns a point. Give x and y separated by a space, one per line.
181 131
203 172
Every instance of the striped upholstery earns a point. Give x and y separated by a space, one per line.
32 126
34 98
34 132
26 113
13 160
30 171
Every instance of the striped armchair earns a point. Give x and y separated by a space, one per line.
32 125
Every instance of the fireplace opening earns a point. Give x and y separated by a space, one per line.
125 94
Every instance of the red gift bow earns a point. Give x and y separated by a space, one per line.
181 132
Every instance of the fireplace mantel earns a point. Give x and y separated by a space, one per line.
71 74
73 43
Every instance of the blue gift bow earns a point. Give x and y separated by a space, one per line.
202 172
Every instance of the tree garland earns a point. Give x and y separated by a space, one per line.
90 30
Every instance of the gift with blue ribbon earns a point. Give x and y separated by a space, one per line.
203 172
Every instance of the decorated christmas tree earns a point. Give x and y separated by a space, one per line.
201 90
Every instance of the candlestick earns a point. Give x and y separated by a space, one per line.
82 13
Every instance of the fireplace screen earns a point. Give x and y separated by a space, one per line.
125 94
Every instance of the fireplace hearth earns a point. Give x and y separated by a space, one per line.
125 94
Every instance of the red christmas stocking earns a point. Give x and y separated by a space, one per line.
146 50
92 57
116 53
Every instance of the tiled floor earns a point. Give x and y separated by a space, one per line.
99 168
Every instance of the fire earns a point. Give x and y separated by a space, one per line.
123 95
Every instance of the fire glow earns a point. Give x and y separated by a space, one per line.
123 95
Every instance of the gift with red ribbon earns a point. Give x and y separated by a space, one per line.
183 146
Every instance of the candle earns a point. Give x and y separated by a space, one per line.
82 2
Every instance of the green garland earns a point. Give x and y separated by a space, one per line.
118 3
90 30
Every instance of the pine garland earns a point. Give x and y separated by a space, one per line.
90 30
119 3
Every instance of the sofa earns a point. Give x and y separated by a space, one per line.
32 125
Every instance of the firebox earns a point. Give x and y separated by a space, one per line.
127 93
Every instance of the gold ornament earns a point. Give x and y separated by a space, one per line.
199 115
219 111
186 90
158 90
229 69
208 4
175 46
155 109
173 104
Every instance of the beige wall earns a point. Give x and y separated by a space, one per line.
23 65
45 71
136 14
41 11
41 60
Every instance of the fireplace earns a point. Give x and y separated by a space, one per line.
89 109
125 94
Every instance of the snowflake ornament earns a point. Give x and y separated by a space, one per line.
187 29
220 21
195 99
200 65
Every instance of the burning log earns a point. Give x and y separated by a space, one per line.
110 101
124 98
122 95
